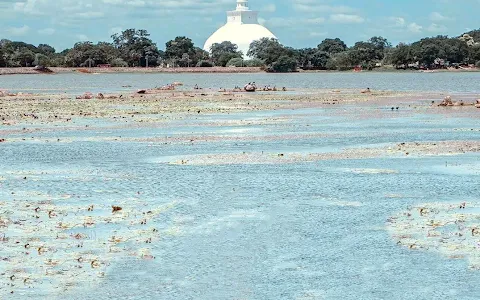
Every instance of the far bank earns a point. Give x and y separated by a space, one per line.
206 70
62 70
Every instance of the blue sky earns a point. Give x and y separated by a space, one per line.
297 23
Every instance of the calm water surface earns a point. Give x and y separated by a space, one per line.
79 83
265 231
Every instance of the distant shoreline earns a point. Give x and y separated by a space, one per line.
62 70
207 70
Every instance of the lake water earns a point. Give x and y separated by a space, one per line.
247 231
79 83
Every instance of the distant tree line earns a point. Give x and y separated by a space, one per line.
134 48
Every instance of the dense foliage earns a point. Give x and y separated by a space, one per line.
224 52
134 48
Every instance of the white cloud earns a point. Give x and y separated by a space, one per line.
397 21
18 31
346 19
414 27
27 7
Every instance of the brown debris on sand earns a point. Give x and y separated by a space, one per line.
447 101
85 96
85 71
69 239
42 69
450 229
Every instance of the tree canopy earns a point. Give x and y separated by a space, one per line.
332 46
222 53
135 48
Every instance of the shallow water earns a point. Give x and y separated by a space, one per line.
282 231
80 83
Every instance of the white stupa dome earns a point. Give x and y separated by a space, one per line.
242 29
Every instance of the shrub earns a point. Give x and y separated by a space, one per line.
57 62
118 62
235 62
88 63
41 60
255 62
284 64
331 64
477 64
226 57
205 64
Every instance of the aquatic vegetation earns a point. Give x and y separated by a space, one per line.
450 229
48 244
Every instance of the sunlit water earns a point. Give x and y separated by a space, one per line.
297 231
80 83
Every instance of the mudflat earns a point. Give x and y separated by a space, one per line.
110 194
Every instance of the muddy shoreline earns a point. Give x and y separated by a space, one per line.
199 70
57 70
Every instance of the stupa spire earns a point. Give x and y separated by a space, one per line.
242 5
241 29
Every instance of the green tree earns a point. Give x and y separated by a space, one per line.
105 53
429 52
268 50
226 57
474 54
204 64
284 64
136 48
24 57
235 62
119 63
185 60
341 61
46 49
452 50
57 60
254 62
332 46
175 49
3 58
319 59
304 57
41 60
17 54
364 52
222 53
402 55
80 52
380 43
199 55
